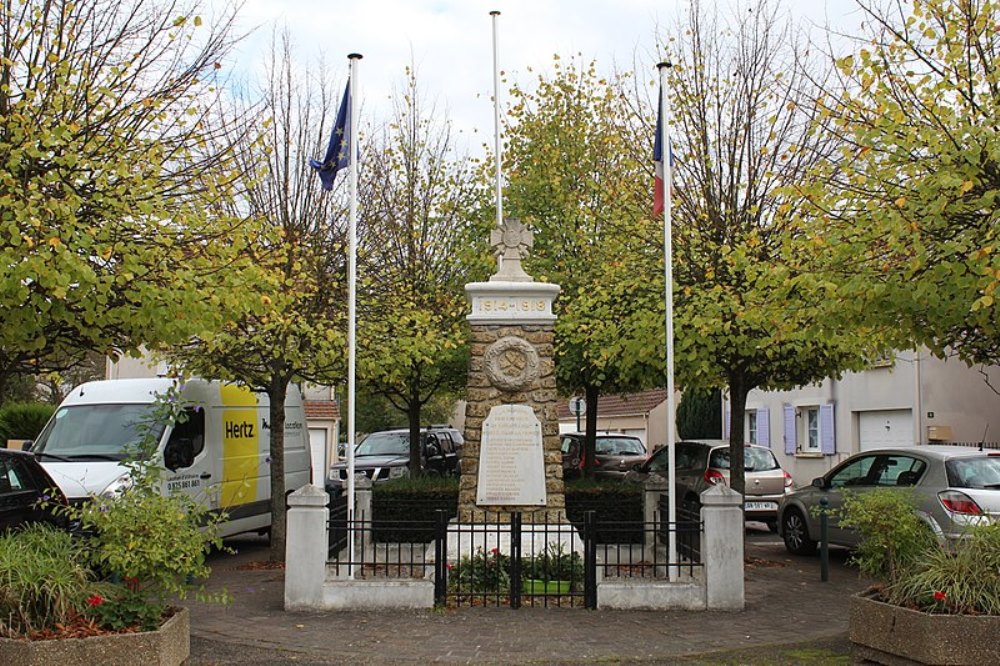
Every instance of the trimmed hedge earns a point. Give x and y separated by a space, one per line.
23 420
405 509
618 508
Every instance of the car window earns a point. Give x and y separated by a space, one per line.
9 479
687 456
192 428
384 444
567 444
979 472
899 470
854 473
759 460
620 446
446 444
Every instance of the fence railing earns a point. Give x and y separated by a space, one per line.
500 559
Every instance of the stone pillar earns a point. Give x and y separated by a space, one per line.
652 489
722 547
363 534
306 544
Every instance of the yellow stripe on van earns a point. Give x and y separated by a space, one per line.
240 446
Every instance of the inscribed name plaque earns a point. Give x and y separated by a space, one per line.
511 462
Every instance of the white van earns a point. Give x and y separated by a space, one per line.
220 455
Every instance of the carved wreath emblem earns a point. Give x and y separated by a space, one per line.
511 363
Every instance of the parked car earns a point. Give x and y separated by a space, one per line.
614 455
385 455
703 464
27 493
954 487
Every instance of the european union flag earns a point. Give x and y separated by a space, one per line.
338 153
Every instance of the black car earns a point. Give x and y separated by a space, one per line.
385 455
27 493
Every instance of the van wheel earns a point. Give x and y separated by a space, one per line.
795 533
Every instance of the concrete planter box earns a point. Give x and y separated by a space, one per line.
888 634
170 645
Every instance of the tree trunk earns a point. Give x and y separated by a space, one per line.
413 420
277 393
737 401
591 395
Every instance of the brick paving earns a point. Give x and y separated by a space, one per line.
785 603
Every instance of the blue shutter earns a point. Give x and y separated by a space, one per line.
790 436
764 427
827 441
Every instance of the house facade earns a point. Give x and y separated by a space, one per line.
642 414
907 399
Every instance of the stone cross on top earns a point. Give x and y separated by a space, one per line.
511 241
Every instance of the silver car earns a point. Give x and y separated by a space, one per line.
954 487
703 464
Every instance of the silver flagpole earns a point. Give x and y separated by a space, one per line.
352 279
673 571
497 144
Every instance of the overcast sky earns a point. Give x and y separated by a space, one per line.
449 41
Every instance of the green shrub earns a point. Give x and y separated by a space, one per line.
893 538
699 416
554 563
23 420
43 579
964 579
899 550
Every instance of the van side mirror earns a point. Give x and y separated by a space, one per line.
178 454
820 482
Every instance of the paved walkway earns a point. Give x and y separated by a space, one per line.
786 604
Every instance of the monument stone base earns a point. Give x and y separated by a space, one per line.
464 539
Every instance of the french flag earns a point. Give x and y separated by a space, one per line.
658 159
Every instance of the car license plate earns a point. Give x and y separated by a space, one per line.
761 506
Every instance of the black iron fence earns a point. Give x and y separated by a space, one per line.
500 559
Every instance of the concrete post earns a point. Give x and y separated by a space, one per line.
654 486
306 544
722 548
363 534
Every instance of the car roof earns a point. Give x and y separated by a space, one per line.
939 451
600 434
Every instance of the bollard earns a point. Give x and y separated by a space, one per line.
824 545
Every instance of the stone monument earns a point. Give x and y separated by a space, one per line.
511 459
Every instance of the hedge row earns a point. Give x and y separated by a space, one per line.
23 420
405 509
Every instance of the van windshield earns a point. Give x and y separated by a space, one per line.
96 431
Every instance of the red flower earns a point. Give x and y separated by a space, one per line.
493 551
95 600
450 566
939 595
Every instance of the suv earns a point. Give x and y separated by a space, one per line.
614 455
385 455
701 465
24 490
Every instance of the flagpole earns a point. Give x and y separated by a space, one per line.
352 279
497 144
673 571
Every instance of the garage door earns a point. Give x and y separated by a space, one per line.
885 428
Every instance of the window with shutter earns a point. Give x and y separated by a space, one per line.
764 427
828 442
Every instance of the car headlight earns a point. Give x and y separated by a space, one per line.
117 487
398 472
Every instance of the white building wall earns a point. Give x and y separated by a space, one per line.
939 396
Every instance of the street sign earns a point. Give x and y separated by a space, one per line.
577 406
